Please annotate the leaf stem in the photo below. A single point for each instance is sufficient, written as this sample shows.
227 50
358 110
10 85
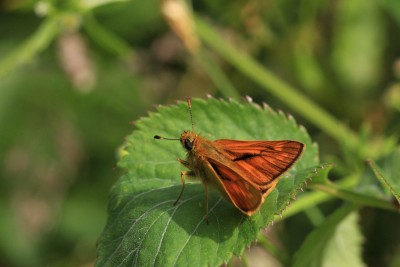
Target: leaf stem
360 199
274 250
327 192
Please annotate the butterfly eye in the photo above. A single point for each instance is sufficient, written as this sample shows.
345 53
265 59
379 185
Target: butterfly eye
188 144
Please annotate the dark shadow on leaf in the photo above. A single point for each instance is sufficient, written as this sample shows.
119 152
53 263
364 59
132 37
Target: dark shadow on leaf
189 213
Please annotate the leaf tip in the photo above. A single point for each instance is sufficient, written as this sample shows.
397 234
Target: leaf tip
267 107
248 99
291 118
302 128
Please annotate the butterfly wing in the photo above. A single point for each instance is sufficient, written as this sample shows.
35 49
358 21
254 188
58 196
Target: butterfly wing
258 163
244 195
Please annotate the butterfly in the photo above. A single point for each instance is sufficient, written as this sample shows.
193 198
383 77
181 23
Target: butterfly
245 172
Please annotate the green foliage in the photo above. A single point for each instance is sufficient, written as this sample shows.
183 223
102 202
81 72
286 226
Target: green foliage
145 228
74 73
389 172
336 242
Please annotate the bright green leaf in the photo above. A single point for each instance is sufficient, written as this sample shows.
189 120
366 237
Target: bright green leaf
336 242
322 175
345 247
145 229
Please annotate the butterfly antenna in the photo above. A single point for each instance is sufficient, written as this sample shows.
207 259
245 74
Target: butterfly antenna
164 138
190 111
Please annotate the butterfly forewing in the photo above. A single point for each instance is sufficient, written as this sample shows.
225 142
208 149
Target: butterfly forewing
257 166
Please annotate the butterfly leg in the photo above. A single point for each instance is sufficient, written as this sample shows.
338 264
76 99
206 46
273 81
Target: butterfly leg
183 174
184 163
206 189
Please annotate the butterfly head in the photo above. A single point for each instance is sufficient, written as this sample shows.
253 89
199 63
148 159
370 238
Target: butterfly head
187 140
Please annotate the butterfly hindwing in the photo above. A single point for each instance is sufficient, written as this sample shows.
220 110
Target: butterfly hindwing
241 193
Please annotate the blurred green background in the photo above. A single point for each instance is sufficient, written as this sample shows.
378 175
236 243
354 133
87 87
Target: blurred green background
74 74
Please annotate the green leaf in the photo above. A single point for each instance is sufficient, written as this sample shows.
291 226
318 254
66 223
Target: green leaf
336 242
322 175
389 173
145 229
345 247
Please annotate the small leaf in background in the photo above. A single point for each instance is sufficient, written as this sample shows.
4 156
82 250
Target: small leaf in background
144 228
389 172
336 242
345 247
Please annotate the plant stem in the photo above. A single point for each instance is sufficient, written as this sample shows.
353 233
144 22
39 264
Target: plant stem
105 38
223 84
39 41
271 83
302 203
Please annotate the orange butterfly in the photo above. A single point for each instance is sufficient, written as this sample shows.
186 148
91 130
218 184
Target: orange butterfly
245 172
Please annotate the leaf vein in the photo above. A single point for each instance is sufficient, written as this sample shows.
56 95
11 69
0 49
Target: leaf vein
195 229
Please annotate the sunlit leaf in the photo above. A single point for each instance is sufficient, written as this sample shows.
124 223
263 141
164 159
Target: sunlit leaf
145 229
